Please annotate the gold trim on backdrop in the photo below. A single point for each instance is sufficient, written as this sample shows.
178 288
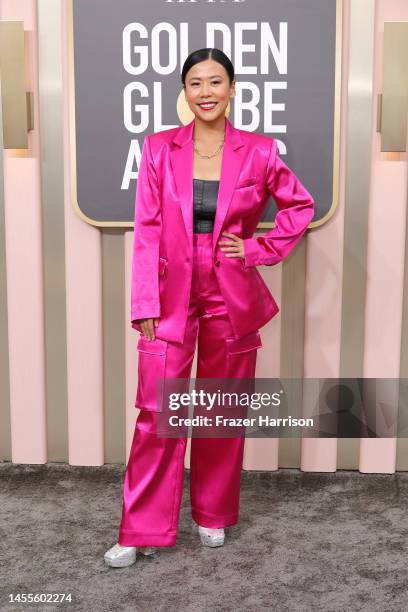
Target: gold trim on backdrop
357 188
336 127
395 87
72 132
12 72
5 416
360 101
50 91
402 443
114 349
30 110
261 224
292 346
379 111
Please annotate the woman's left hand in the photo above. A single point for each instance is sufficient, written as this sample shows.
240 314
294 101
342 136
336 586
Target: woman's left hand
235 248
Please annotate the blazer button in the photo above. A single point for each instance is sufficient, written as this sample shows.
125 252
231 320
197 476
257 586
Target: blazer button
216 262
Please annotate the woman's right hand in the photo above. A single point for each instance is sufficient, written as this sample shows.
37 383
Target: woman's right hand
147 326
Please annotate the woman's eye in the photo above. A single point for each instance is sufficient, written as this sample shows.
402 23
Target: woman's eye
213 83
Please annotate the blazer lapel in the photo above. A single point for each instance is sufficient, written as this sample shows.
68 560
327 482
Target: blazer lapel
181 157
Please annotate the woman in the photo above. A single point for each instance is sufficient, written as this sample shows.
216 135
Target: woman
201 191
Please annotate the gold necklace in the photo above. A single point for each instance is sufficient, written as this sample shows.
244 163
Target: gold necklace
208 156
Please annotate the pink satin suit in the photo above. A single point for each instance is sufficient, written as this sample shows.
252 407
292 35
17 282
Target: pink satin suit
153 483
222 310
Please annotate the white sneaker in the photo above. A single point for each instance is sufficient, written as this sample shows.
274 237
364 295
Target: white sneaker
122 556
210 536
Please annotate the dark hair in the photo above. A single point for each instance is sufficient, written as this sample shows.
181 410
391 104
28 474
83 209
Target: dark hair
208 53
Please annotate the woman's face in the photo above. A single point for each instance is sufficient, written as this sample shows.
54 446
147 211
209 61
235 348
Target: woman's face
208 81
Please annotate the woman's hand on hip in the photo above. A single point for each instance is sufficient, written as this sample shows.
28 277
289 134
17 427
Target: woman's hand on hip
235 246
147 326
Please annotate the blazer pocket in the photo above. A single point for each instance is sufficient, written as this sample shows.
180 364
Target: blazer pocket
252 180
162 265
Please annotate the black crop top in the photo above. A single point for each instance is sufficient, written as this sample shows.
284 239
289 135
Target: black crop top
205 193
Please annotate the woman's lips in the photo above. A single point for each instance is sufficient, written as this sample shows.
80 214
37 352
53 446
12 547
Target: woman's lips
207 106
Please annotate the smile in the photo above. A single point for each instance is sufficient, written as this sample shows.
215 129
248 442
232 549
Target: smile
207 105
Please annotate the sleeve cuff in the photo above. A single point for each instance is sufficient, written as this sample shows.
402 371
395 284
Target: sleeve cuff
146 312
254 255
251 253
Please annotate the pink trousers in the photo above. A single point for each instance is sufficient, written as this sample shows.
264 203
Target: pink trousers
153 482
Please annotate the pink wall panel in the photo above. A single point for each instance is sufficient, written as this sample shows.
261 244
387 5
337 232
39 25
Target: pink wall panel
84 315
22 195
385 260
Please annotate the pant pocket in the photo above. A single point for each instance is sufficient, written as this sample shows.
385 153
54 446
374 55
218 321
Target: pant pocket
242 354
151 372
243 344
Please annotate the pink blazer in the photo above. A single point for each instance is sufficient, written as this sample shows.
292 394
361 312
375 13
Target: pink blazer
251 172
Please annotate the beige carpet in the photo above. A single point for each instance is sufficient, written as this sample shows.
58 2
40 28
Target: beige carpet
304 542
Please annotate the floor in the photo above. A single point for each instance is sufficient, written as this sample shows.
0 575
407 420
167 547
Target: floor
304 542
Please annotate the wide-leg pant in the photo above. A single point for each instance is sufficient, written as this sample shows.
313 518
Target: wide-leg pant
153 482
